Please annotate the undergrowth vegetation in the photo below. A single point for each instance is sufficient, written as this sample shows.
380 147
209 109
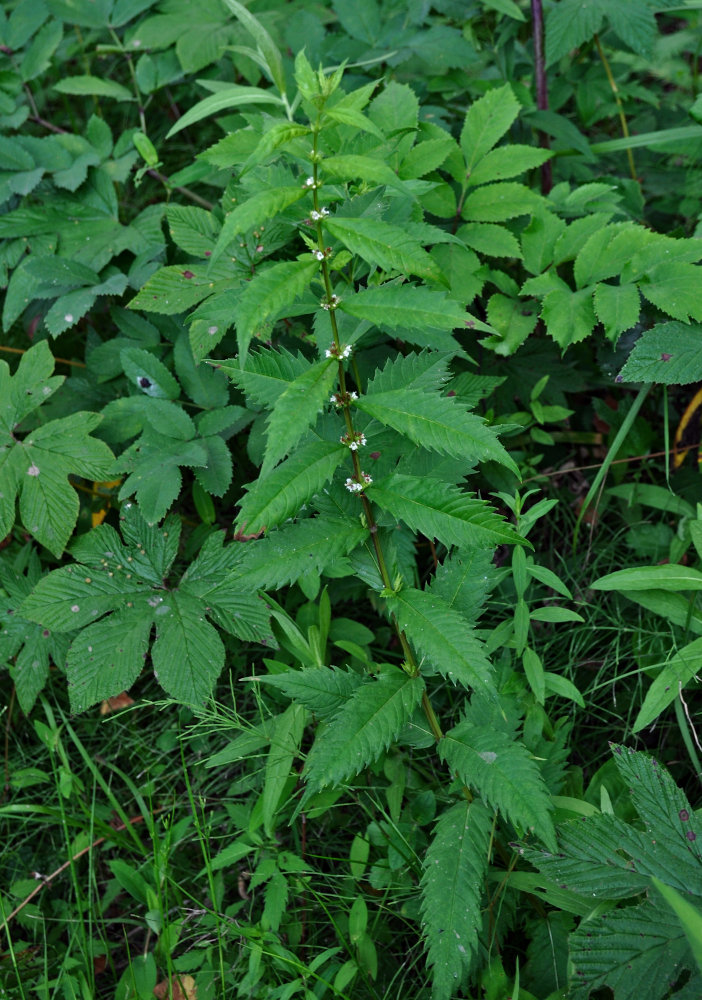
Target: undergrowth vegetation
351 543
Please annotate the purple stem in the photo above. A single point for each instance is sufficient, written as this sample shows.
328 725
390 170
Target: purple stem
541 88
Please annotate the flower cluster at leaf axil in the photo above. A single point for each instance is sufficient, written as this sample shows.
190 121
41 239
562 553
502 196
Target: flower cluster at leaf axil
338 352
358 485
343 398
354 441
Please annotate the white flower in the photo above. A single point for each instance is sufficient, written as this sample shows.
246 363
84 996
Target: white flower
352 486
319 254
317 215
345 351
309 183
330 354
354 395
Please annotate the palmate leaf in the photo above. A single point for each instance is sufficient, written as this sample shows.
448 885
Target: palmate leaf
454 873
293 550
359 733
268 293
441 511
384 245
438 423
116 594
37 467
281 494
626 948
504 773
445 637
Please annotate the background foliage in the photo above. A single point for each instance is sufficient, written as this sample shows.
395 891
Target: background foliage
373 327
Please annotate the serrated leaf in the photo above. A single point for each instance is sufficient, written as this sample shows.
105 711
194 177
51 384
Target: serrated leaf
407 307
617 308
384 245
296 409
283 492
269 292
464 580
427 370
350 166
569 24
426 156
108 656
507 161
491 239
486 122
215 475
674 677
153 463
293 550
504 773
454 873
438 423
441 511
672 286
192 229
174 289
634 22
623 949
286 734
670 353
267 375
569 316
148 373
366 726
500 202
265 44
188 654
324 690
254 211
443 635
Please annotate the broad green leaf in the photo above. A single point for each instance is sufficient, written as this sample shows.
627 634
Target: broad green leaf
267 375
673 678
670 605
352 166
670 353
149 374
689 917
486 122
499 202
385 245
569 24
153 463
441 511
514 319
438 423
657 497
176 288
366 726
672 286
443 635
666 577
270 292
507 161
215 475
455 867
254 211
426 156
296 409
95 86
569 316
562 687
464 580
234 96
504 773
188 654
490 238
617 308
280 495
192 229
108 656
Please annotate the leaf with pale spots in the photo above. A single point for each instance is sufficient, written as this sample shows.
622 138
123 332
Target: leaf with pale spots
117 592
35 466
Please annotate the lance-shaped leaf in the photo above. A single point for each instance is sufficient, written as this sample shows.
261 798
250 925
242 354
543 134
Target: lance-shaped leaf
452 887
188 655
426 370
281 494
349 166
285 746
438 423
233 96
323 690
504 773
384 245
673 678
445 637
486 122
252 212
296 409
37 467
669 576
267 374
268 293
441 511
293 550
363 729
406 309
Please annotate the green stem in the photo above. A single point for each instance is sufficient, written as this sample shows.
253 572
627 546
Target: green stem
620 106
